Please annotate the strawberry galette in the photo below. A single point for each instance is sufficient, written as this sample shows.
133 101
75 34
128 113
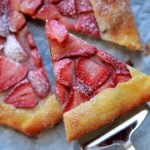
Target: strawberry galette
27 102
110 20
93 87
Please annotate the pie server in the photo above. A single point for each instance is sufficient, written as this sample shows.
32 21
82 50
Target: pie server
117 133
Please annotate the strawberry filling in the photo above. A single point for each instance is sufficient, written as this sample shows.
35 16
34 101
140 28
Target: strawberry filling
11 73
22 76
22 96
81 71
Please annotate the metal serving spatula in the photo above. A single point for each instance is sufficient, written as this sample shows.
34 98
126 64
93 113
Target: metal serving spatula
117 133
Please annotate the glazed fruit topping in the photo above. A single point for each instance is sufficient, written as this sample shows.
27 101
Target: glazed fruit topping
22 96
76 98
82 71
48 11
67 7
90 75
83 6
87 24
39 82
11 73
56 31
16 21
36 58
30 6
63 71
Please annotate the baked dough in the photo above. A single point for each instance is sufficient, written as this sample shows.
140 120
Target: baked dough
116 23
31 121
107 106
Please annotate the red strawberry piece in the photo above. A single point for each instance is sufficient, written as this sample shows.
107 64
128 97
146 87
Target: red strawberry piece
16 21
72 47
54 1
14 50
121 71
36 58
63 71
30 41
67 8
62 93
22 96
15 4
122 78
48 11
108 84
2 41
83 6
4 25
76 98
56 31
40 82
91 75
86 23
11 73
30 6
22 37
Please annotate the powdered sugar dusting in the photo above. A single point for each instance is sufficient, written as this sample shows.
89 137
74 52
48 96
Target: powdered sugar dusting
83 6
14 50
40 82
67 7
4 25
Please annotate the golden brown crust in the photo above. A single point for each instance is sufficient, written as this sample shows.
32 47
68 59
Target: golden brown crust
107 106
116 23
32 121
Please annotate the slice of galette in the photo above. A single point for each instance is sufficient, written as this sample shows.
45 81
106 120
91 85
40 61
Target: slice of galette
27 101
93 87
110 20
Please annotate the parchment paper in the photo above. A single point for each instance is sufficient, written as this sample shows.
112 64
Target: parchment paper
54 139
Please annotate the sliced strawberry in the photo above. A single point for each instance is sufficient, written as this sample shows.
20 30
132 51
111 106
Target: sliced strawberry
4 25
40 82
54 1
75 99
16 21
15 4
86 23
31 41
72 47
63 71
121 71
11 73
62 93
67 8
56 31
14 50
108 84
2 41
90 74
22 96
22 37
36 58
30 6
83 6
48 11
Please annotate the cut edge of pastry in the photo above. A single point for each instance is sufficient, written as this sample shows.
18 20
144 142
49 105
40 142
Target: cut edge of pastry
116 23
107 106
32 121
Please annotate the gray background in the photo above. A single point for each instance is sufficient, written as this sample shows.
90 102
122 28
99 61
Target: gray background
54 139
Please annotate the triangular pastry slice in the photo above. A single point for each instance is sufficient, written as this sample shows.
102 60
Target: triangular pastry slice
93 87
27 101
110 20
